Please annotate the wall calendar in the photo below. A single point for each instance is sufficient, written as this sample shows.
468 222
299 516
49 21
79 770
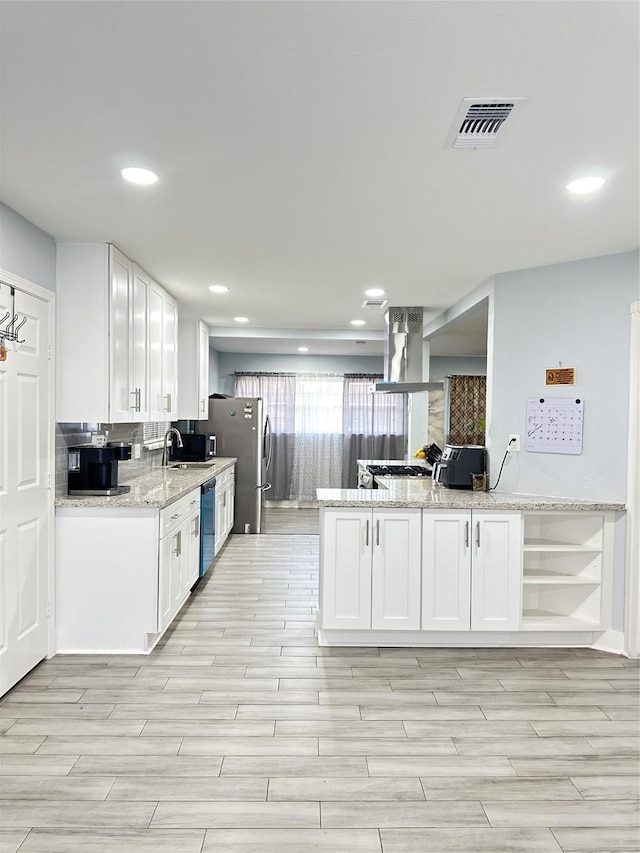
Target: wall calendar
554 425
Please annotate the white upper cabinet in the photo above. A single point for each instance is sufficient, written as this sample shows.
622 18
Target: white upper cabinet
111 337
163 355
193 373
170 355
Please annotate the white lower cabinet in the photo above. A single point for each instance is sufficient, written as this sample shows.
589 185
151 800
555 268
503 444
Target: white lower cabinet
225 497
178 563
446 570
122 574
409 569
496 570
370 563
471 570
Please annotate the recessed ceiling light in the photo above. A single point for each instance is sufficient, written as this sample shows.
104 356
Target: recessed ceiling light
358 323
241 319
303 349
374 291
218 288
585 185
139 176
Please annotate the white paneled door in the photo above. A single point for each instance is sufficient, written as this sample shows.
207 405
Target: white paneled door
25 491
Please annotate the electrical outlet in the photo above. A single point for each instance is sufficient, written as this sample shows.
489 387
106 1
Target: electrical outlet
98 439
136 451
514 444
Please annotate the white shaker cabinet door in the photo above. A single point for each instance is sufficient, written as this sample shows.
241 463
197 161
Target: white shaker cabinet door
203 371
170 586
157 410
121 402
496 580
446 570
346 568
139 391
192 564
396 569
170 359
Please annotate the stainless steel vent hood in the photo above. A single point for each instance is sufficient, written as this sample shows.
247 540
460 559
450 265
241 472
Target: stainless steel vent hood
403 353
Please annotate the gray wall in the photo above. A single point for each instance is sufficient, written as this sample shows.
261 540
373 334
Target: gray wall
230 362
441 366
578 314
26 250
214 370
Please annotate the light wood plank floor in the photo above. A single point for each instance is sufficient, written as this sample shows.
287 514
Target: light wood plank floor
239 734
285 520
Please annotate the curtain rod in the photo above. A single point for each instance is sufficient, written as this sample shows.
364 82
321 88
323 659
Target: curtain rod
305 373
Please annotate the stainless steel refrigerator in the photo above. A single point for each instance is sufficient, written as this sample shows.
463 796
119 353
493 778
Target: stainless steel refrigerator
242 429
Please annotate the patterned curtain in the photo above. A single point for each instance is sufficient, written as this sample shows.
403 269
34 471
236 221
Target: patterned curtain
374 425
467 409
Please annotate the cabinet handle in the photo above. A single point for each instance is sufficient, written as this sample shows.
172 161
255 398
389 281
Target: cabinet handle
466 534
378 532
366 540
196 526
224 499
167 397
176 515
478 533
202 401
136 399
194 501
178 538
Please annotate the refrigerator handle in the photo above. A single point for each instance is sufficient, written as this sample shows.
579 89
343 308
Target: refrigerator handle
265 487
268 441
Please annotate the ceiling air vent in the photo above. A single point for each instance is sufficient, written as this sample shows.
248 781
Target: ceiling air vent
480 120
374 303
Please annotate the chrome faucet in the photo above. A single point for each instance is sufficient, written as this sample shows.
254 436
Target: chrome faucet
165 454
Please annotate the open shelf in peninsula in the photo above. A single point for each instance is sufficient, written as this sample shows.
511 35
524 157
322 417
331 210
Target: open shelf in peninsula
564 570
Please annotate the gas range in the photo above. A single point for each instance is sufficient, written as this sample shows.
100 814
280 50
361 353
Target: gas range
366 479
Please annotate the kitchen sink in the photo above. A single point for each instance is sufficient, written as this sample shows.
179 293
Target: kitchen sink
185 466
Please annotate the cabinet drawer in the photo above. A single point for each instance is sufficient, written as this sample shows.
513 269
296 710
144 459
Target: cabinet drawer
174 514
225 479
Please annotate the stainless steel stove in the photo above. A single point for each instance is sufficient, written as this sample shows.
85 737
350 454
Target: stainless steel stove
367 475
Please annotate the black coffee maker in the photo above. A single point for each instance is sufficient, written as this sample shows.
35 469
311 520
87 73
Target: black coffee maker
94 470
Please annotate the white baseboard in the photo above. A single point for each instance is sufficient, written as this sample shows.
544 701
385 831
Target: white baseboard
611 641
455 639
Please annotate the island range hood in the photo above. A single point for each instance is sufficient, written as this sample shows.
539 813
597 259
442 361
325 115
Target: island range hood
403 353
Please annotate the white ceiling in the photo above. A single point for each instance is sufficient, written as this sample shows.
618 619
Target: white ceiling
301 147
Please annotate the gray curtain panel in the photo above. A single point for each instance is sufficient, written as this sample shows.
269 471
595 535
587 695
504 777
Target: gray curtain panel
374 425
278 390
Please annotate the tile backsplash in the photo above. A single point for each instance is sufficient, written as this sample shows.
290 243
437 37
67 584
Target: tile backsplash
71 435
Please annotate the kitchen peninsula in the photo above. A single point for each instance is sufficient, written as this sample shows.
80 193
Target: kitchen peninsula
413 563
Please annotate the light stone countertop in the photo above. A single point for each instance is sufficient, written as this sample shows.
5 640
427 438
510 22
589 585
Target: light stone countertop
157 487
425 494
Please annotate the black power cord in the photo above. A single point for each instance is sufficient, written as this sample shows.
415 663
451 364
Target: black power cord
504 459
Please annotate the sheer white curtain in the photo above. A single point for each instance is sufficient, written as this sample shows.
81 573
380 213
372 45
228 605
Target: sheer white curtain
317 455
